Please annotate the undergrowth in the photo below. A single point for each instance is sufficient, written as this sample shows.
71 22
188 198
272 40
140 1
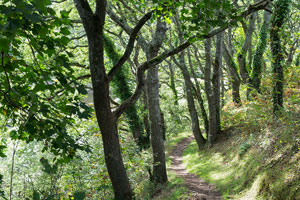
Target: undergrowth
256 156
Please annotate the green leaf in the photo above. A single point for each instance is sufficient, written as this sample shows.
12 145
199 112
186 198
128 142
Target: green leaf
81 89
36 195
79 195
65 31
4 44
2 147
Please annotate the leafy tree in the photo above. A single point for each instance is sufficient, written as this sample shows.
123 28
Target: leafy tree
40 96
39 93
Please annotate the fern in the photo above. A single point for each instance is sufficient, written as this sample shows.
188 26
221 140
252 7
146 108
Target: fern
244 148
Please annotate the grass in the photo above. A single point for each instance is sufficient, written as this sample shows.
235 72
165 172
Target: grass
175 188
257 159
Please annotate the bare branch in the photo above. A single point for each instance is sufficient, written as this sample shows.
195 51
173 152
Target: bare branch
130 45
79 46
79 65
84 77
127 28
78 38
140 77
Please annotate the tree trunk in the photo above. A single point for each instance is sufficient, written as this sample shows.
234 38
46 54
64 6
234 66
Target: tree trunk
193 112
212 87
281 10
260 49
222 89
216 79
122 90
199 95
233 74
107 123
172 84
212 134
93 24
146 116
189 92
190 100
156 129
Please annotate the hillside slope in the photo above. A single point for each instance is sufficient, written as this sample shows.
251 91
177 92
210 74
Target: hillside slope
258 158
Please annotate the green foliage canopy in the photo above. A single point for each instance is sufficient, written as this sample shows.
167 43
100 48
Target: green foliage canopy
39 93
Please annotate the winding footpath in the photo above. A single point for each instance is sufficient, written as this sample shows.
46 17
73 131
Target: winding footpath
200 190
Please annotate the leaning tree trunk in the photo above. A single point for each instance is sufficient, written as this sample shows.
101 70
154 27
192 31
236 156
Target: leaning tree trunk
156 129
242 55
192 109
93 24
233 74
197 90
281 10
190 101
189 92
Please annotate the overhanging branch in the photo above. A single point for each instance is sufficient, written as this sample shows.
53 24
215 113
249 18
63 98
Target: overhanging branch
130 45
158 59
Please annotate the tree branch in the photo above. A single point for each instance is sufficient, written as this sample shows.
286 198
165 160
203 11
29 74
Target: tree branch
140 77
130 45
79 65
158 59
142 42
83 77
84 9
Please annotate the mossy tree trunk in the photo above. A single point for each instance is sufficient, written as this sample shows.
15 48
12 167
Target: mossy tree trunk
260 49
233 75
281 10
122 90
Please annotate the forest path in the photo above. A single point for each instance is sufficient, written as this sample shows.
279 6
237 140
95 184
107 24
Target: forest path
200 190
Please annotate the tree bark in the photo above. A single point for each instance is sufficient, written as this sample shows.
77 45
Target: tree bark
172 83
197 90
216 79
260 49
233 74
281 10
242 55
93 24
212 134
189 92
122 90
192 109
156 126
212 87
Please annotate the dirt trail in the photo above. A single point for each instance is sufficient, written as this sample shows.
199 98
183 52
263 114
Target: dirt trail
199 189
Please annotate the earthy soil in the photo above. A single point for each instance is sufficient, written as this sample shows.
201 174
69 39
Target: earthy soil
199 189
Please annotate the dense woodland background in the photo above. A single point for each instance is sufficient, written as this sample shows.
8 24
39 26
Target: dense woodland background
94 95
